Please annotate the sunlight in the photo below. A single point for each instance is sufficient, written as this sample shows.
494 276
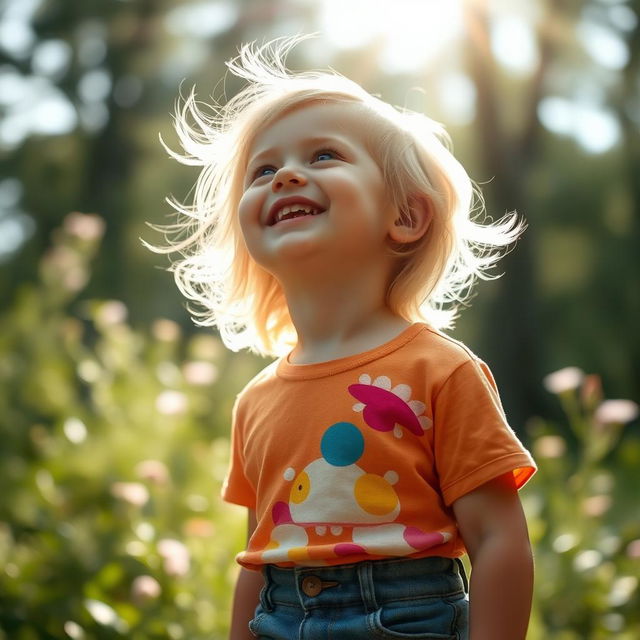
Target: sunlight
603 44
410 32
514 44
593 127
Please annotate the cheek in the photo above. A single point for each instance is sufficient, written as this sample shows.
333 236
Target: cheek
368 198
365 186
249 210
244 206
249 216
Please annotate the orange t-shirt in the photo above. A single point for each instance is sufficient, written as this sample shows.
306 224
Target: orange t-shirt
362 457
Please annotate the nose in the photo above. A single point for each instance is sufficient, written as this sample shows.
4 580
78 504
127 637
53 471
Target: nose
287 177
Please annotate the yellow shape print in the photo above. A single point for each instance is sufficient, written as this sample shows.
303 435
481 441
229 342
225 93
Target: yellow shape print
375 495
300 489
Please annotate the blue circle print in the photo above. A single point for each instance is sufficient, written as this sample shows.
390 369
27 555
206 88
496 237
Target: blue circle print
342 444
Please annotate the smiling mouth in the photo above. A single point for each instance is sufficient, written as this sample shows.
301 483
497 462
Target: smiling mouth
294 211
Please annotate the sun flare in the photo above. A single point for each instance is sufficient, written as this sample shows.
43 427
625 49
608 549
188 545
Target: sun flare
410 33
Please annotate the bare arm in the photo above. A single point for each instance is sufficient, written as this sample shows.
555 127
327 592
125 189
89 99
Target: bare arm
246 594
494 530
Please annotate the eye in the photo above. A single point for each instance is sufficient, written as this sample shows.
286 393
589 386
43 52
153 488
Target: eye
325 154
266 170
300 489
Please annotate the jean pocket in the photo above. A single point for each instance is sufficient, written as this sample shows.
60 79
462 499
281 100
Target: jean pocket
427 619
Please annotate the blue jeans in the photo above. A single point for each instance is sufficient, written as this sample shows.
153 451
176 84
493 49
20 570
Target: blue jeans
407 598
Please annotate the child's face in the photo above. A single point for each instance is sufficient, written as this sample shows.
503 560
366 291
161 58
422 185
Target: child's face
312 188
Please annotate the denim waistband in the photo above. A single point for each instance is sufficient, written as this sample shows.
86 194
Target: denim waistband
369 583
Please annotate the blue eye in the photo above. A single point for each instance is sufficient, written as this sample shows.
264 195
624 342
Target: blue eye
264 171
325 154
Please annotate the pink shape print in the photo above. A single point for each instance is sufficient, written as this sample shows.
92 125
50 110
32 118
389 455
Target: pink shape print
348 548
384 409
421 540
281 513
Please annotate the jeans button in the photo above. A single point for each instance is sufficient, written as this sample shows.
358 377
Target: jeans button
311 586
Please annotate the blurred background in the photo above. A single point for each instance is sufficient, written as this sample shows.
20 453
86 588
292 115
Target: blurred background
114 407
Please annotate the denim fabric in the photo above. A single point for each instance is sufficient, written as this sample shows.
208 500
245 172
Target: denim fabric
407 598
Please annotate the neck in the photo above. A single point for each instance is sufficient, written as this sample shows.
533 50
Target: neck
340 316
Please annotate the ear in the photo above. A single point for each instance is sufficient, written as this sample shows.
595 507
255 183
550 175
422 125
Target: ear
413 221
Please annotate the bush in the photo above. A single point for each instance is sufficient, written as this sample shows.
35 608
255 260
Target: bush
114 448
583 515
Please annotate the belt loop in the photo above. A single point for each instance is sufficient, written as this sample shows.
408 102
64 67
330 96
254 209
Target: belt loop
367 586
463 574
265 592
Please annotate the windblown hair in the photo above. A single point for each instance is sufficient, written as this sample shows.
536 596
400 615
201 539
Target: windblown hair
245 302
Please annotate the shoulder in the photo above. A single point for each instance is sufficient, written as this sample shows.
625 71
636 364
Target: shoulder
442 350
259 384
447 360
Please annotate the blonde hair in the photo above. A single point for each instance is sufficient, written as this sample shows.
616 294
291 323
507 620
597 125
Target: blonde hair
245 302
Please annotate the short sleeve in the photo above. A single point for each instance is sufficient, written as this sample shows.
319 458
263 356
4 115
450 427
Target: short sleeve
472 441
236 487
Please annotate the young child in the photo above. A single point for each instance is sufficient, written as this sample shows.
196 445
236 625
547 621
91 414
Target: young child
335 231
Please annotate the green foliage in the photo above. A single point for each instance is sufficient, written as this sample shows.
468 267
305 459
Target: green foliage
583 516
115 442
114 445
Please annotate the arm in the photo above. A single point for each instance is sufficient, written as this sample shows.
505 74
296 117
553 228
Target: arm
494 530
246 594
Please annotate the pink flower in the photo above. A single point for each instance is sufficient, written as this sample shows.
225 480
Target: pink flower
591 392
200 372
596 506
111 312
86 226
133 493
63 266
616 412
144 589
567 379
550 447
633 549
171 403
165 330
153 471
175 557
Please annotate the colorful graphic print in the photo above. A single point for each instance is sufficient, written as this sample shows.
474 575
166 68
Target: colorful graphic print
385 408
334 497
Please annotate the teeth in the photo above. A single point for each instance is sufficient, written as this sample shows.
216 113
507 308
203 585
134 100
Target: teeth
296 208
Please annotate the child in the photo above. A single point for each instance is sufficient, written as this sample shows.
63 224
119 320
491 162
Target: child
335 231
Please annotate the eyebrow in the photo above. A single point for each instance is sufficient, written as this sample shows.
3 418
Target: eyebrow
305 142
